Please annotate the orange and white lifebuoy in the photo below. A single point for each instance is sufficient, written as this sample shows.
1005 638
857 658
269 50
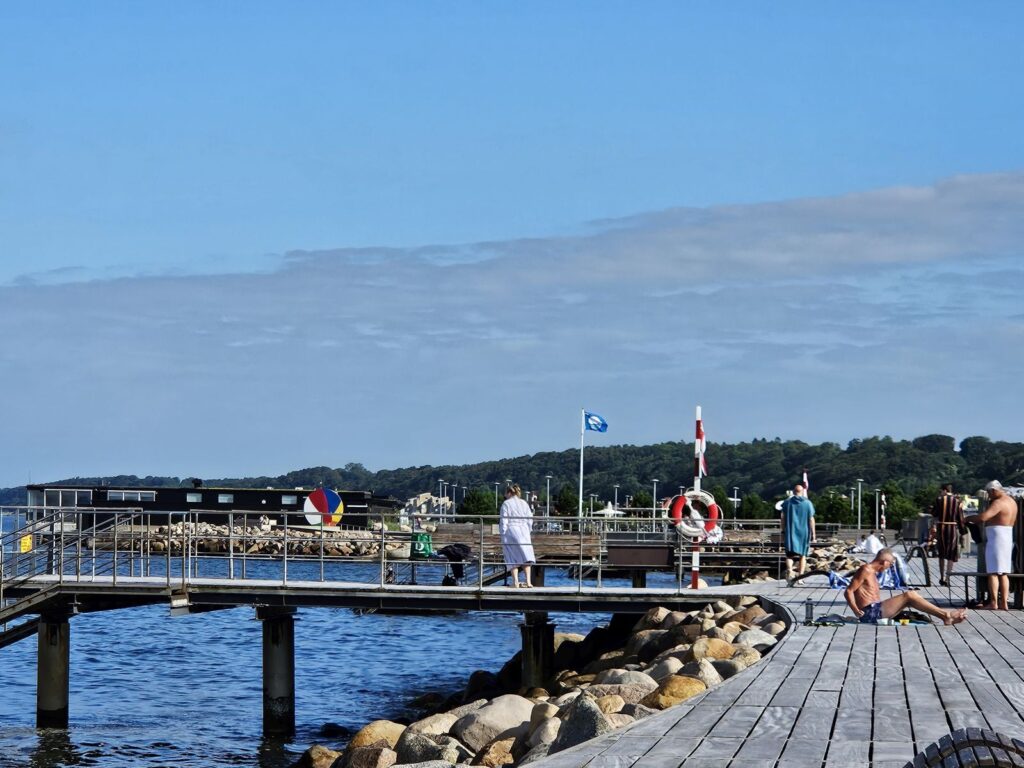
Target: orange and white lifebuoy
685 515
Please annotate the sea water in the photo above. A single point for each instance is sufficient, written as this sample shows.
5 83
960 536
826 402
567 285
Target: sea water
149 689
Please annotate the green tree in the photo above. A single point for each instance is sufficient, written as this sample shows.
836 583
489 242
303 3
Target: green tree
478 501
566 501
641 501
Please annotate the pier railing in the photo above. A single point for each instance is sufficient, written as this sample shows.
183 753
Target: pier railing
81 544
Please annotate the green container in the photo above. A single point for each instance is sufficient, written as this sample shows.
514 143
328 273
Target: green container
422 546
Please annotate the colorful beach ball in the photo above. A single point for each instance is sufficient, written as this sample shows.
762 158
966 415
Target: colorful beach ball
323 507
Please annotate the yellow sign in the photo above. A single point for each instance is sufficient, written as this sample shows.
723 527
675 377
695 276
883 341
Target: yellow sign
26 543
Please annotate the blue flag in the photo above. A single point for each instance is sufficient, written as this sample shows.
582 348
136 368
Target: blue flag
594 422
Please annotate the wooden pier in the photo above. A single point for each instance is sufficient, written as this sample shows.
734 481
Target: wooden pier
847 696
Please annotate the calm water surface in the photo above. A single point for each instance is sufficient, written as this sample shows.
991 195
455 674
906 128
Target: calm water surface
151 690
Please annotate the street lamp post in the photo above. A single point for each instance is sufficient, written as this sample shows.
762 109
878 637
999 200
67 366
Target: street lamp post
496 484
859 481
592 504
548 478
616 504
654 502
876 509
735 503
440 493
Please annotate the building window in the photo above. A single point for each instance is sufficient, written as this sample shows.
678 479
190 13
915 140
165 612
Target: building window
115 495
131 495
194 498
147 496
289 500
225 498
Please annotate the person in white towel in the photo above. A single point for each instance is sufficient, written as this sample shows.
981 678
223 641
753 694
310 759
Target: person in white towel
999 517
514 526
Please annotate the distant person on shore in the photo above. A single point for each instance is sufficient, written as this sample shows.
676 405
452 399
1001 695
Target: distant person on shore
949 526
865 599
514 525
797 529
872 544
999 518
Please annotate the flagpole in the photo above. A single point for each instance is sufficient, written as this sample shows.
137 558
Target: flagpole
695 551
583 429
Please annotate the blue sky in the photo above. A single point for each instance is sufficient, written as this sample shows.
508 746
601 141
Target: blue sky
244 238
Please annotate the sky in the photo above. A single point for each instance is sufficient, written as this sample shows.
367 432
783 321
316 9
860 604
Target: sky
245 238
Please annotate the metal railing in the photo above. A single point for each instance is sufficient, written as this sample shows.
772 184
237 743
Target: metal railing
178 548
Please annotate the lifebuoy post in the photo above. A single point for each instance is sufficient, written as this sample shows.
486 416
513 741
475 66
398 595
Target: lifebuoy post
699 469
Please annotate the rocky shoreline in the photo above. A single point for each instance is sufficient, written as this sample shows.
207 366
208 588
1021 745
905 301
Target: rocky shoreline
615 675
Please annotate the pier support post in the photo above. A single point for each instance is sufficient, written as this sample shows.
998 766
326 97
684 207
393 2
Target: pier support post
53 669
538 648
639 576
278 670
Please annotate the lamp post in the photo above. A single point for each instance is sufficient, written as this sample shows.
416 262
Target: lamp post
592 504
440 493
876 509
615 506
654 502
735 503
548 478
496 484
859 497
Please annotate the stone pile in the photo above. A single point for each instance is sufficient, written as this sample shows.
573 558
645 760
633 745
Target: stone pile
832 557
263 537
612 677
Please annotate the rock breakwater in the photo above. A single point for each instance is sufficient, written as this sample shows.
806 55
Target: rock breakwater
615 675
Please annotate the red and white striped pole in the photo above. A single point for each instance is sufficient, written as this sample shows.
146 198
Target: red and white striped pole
698 463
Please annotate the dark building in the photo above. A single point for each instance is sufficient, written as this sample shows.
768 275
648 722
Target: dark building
211 505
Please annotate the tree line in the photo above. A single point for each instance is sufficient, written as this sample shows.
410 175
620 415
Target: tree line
908 472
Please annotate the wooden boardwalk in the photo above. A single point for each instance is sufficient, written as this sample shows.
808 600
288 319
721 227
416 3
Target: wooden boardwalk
847 696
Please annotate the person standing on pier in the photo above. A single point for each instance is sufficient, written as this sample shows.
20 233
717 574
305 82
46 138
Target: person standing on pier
948 519
999 518
514 526
865 599
797 529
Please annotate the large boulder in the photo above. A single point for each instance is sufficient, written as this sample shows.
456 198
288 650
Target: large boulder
755 637
673 690
542 711
373 756
506 716
415 747
646 644
465 709
481 685
711 648
631 693
545 733
746 655
681 652
619 720
435 724
536 753
378 730
667 666
674 618
455 750
623 677
704 671
727 667
317 756
582 721
498 752
652 619
744 616
610 660
774 627
733 628
610 704
637 711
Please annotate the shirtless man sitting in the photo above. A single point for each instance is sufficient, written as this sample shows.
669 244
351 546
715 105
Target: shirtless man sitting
867 604
999 517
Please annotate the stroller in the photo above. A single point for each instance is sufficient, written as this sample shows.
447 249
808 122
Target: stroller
456 555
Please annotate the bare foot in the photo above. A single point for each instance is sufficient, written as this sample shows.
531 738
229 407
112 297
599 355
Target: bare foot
989 607
955 617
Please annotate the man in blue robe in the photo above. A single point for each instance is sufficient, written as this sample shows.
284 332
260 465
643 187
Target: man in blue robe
797 529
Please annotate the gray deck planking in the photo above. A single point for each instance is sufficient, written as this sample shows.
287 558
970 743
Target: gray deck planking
855 695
